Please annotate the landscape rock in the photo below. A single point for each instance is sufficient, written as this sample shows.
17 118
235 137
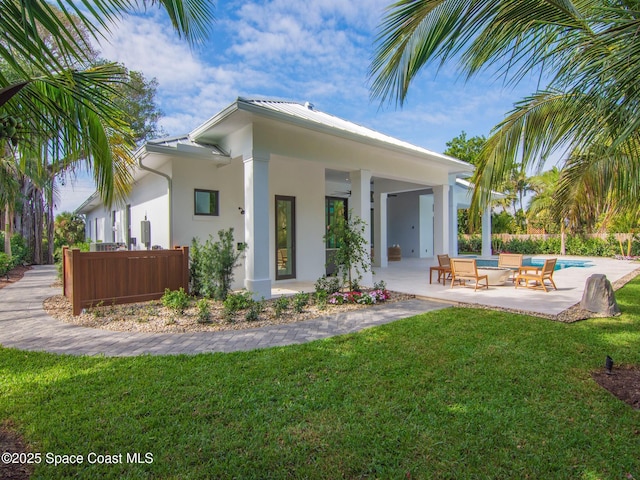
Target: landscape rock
598 296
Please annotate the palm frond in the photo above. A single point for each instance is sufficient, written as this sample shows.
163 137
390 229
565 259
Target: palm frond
25 23
73 119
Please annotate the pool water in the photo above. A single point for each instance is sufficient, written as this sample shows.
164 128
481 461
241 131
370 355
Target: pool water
560 264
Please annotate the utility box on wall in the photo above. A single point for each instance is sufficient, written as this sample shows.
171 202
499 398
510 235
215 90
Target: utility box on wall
145 233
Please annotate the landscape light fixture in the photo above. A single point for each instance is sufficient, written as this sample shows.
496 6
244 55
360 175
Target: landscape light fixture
609 365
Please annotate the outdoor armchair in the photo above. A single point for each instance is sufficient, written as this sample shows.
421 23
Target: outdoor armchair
512 261
534 277
463 269
443 268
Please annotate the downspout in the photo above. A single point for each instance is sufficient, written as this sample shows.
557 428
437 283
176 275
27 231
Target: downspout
169 192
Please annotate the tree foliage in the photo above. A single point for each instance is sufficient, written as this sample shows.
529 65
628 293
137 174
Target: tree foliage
467 149
62 110
63 101
69 229
136 98
588 106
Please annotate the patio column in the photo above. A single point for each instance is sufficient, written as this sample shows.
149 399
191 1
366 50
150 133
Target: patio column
256 224
441 220
360 204
486 232
453 245
380 230
453 217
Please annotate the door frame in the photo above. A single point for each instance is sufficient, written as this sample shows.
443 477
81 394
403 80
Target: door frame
292 257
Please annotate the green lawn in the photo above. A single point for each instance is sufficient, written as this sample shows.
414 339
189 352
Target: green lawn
457 394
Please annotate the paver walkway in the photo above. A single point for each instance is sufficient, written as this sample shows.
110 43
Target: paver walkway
25 325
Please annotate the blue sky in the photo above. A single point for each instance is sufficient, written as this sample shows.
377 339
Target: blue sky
317 51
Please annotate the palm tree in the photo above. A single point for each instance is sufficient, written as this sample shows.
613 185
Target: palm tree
65 106
40 32
586 52
46 81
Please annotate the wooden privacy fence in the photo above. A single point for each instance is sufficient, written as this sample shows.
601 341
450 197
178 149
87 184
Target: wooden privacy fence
122 277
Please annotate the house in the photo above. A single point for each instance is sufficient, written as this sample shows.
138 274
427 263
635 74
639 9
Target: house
278 172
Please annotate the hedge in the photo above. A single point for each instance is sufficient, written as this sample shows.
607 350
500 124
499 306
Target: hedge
574 245
19 253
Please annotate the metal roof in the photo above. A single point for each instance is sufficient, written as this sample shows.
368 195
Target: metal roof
307 113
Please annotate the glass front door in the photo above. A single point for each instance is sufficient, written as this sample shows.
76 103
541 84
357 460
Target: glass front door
285 237
335 210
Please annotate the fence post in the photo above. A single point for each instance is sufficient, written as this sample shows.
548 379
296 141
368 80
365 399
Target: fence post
76 301
185 268
64 270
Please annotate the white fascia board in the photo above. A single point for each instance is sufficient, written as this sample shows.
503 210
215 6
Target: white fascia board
89 204
469 186
219 117
182 150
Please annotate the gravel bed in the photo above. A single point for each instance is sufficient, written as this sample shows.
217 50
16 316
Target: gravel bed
153 317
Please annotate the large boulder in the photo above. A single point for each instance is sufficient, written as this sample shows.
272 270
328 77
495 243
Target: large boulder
598 296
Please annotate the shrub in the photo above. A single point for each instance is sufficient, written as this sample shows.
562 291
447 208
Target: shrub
327 284
592 247
20 251
204 311
471 245
57 254
574 245
381 285
212 265
300 300
69 229
280 305
254 310
236 302
5 264
176 300
321 297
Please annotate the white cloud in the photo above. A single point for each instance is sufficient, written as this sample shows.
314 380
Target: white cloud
146 44
317 51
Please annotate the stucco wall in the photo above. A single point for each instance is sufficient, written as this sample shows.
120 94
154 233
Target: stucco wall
426 226
403 213
98 218
304 181
190 174
410 223
149 198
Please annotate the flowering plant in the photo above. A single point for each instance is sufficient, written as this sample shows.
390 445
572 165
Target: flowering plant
366 298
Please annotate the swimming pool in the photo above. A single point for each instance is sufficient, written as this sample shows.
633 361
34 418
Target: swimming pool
538 262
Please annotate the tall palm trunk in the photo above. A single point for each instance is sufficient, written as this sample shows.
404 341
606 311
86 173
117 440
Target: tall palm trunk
7 230
38 222
49 224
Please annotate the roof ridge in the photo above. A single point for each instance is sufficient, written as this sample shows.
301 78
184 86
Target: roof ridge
272 100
